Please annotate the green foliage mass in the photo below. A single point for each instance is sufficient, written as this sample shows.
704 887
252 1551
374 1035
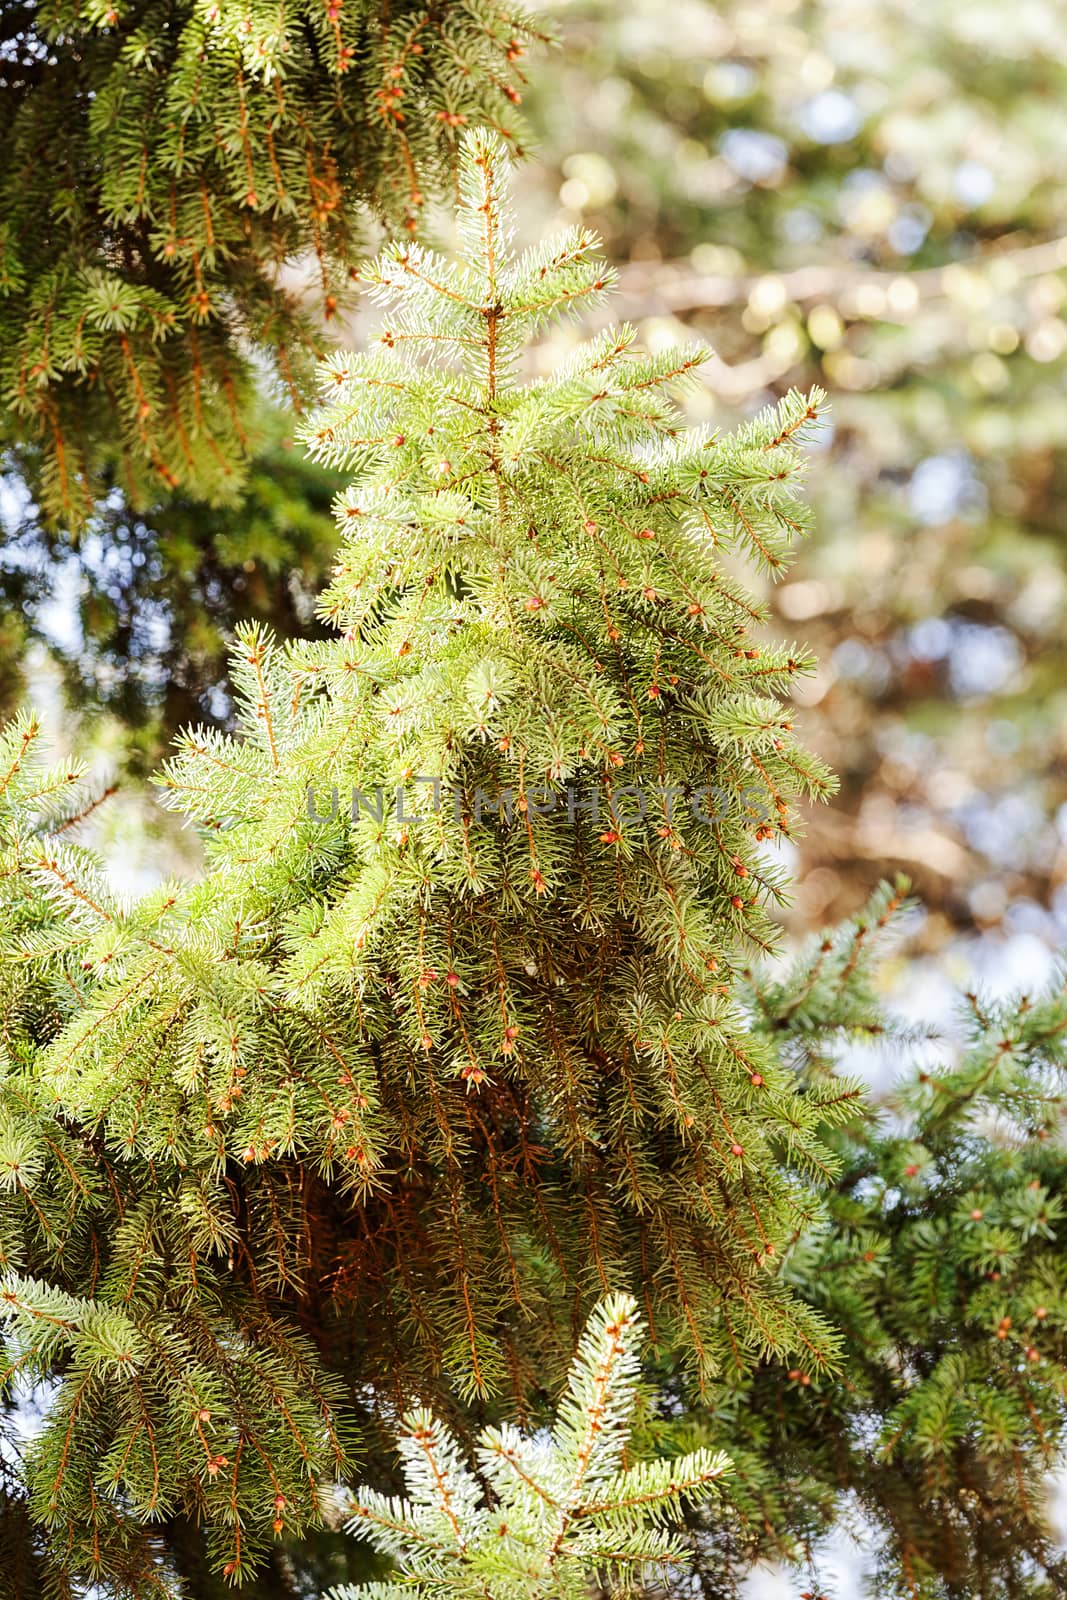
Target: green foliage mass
163 163
940 1260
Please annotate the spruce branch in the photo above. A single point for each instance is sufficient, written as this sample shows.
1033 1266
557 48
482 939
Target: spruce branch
454 1033
162 162
564 1512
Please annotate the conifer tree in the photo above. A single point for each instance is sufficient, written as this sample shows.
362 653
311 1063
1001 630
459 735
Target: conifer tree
414 1089
940 1261
565 1509
164 160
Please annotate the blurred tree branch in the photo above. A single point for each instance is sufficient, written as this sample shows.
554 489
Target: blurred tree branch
673 288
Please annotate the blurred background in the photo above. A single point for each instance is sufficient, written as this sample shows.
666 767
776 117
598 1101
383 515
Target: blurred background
868 196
